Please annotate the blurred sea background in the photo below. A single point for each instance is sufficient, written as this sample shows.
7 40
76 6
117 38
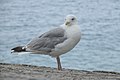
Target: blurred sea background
99 20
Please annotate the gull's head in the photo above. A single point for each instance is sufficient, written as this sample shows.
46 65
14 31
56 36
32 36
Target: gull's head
70 20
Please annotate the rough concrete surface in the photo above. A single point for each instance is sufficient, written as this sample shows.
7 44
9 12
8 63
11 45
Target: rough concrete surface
29 72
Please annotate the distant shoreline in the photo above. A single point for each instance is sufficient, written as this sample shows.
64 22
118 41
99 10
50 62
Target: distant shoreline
30 72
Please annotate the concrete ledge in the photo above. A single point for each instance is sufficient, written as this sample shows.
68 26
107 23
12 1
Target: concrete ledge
29 72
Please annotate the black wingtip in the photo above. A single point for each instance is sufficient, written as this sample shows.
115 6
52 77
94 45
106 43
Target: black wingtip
18 49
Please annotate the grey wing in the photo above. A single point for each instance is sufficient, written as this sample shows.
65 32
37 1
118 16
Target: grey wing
48 40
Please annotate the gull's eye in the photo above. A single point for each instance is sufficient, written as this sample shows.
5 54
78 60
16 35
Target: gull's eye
73 19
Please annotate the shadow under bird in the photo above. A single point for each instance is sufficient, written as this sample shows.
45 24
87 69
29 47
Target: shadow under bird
56 41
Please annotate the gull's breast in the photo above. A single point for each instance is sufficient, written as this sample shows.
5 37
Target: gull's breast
73 37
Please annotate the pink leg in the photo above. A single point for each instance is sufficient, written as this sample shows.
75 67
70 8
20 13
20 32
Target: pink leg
59 63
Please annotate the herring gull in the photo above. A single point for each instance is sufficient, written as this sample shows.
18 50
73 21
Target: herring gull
56 41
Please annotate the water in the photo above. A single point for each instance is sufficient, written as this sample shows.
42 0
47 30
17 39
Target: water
99 20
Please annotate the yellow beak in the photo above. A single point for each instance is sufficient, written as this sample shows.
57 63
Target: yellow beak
67 23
